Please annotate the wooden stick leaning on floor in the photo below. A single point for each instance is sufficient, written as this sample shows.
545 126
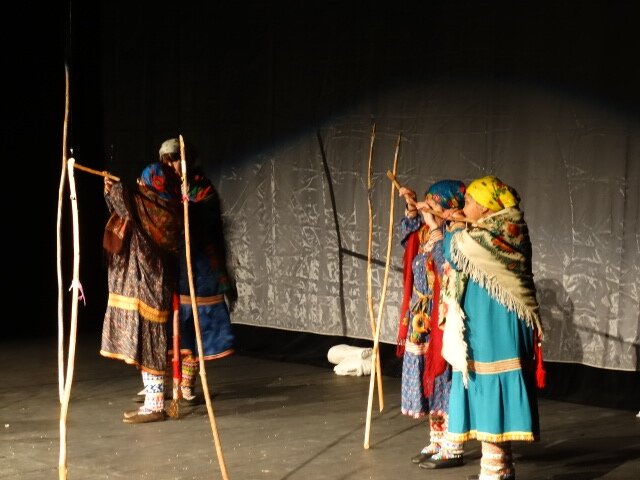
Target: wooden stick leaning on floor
369 287
75 285
376 339
174 408
62 462
196 318
63 178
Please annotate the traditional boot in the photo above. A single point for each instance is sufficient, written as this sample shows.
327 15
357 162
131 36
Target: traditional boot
153 408
190 369
496 462
450 454
426 453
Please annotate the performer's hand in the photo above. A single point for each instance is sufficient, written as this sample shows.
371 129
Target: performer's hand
428 217
108 183
410 199
449 213
408 194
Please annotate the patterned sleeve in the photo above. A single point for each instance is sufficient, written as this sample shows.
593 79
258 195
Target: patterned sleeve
437 250
116 200
408 226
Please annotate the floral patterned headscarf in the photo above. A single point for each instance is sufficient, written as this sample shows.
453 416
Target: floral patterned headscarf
493 193
158 205
162 179
200 186
447 193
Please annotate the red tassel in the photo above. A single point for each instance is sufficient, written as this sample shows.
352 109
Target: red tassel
175 302
541 373
400 347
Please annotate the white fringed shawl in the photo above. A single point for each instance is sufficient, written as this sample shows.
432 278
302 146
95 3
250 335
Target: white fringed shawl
496 255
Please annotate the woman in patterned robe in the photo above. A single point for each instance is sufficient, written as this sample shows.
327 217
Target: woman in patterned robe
142 279
426 377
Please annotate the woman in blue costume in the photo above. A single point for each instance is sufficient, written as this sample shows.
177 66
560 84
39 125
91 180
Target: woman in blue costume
493 329
426 377
214 291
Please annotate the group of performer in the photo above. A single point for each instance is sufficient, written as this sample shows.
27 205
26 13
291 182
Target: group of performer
469 332
148 278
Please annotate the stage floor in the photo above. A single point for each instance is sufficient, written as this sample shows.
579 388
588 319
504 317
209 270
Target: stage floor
274 421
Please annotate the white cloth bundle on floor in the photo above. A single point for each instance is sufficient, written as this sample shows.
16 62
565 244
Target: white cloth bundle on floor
354 366
338 353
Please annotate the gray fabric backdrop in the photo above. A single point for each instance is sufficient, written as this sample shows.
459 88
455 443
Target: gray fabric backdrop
574 164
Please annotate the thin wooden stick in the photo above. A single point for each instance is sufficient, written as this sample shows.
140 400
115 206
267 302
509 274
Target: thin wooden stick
64 407
97 172
61 187
412 202
63 176
369 254
174 407
196 318
376 340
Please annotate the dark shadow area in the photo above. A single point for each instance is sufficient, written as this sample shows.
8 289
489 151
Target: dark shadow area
305 348
565 381
243 77
571 382
334 208
556 312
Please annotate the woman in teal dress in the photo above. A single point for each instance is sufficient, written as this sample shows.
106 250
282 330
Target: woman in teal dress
493 330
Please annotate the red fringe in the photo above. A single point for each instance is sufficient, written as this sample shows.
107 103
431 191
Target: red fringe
434 364
410 251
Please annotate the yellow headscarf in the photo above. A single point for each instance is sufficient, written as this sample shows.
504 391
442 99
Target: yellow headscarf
493 193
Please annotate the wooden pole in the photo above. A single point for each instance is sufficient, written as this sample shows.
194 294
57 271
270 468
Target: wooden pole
174 407
196 318
376 340
61 187
369 255
63 176
75 285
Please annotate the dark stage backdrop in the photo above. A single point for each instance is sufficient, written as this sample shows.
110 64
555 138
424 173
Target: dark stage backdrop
280 99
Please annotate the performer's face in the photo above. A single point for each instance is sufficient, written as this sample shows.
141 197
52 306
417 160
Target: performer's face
472 209
173 161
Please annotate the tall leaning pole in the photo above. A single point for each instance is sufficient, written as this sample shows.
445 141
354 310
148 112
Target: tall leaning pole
62 461
372 321
196 318
65 379
376 339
